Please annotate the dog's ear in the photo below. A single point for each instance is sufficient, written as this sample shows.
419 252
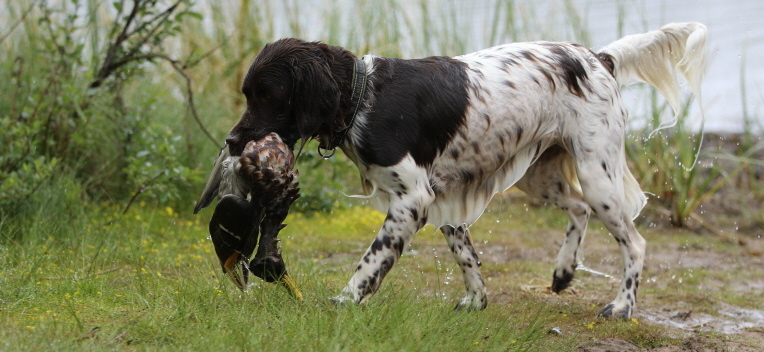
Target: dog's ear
316 97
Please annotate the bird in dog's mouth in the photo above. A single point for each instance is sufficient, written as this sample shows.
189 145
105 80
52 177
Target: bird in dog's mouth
256 190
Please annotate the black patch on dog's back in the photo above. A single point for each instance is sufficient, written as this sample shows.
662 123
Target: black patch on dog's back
573 70
418 107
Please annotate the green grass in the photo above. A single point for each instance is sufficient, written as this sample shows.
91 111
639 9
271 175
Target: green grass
148 280
76 273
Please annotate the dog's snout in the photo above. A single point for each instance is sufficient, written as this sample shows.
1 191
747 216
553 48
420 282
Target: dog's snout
232 139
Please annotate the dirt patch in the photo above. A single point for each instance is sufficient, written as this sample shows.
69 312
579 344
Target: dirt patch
694 344
702 286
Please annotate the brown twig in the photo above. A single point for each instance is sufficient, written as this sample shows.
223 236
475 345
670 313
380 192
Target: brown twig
189 85
142 189
189 95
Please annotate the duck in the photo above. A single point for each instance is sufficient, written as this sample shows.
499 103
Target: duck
255 191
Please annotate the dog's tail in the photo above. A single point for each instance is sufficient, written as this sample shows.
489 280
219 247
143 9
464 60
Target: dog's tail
657 56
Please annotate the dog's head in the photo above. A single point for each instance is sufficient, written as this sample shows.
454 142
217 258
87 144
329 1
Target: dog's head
293 89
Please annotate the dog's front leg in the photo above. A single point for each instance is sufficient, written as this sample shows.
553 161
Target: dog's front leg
409 194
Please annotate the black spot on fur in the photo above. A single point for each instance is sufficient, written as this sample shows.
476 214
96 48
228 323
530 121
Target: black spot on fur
528 56
385 267
387 240
467 175
376 246
419 106
572 69
605 207
628 283
607 311
476 147
548 77
508 62
414 214
455 154
398 245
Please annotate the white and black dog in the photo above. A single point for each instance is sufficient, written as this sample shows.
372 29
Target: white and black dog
436 138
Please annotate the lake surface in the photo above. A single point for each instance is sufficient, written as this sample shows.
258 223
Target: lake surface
735 51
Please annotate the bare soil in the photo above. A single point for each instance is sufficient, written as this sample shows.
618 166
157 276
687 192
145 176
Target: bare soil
703 286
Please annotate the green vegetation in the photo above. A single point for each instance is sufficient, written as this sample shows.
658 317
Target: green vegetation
112 112
148 279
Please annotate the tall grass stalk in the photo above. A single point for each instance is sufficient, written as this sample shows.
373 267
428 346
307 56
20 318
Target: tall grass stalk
667 164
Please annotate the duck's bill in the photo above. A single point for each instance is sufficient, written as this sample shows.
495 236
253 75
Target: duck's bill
213 181
235 272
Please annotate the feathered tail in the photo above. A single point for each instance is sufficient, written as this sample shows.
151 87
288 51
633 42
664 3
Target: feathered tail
657 56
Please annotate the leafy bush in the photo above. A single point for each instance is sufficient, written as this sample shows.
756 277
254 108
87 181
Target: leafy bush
68 74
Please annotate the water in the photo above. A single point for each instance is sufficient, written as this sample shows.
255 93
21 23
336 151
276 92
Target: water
735 47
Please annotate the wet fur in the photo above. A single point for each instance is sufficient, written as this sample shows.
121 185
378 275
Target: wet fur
437 138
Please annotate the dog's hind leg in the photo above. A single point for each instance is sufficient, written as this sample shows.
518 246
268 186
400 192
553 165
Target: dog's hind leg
614 195
460 243
552 178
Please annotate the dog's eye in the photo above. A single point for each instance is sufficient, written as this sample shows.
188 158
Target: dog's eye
270 94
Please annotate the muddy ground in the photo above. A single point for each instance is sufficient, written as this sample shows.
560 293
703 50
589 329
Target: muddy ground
703 285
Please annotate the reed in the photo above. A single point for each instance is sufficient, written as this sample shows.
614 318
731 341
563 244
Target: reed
99 173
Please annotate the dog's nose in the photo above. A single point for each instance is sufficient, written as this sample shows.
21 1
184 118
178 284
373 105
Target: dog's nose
232 139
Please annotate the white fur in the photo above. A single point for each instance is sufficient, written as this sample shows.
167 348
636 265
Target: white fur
527 123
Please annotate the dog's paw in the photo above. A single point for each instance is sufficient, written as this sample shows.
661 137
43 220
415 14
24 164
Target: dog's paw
616 311
561 279
472 303
342 300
